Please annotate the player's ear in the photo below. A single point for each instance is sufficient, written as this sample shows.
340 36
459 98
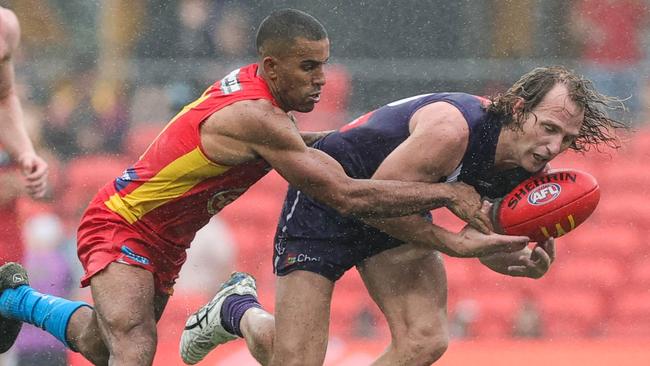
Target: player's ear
518 107
518 110
270 66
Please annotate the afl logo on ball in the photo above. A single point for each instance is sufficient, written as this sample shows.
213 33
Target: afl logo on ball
544 194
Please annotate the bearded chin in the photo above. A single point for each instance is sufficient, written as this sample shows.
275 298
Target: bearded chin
305 108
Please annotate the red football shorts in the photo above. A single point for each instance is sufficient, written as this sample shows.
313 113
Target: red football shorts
104 237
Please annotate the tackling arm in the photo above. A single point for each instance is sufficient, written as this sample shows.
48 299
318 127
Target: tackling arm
272 135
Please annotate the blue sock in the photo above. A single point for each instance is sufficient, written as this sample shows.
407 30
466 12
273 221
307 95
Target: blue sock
47 312
233 309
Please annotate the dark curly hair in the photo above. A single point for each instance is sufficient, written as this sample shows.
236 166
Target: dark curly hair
284 26
597 128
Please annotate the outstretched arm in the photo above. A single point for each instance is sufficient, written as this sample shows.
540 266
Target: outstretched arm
469 242
270 134
13 135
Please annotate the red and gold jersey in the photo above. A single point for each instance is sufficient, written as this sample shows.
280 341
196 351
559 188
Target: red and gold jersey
174 188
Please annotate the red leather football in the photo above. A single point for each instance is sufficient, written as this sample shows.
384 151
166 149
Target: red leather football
548 205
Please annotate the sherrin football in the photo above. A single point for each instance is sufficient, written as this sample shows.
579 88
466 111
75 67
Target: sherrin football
548 205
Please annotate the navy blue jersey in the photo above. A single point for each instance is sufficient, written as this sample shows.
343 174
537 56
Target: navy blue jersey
314 237
362 145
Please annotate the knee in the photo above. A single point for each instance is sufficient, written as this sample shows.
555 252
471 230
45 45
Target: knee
424 345
131 338
434 349
128 328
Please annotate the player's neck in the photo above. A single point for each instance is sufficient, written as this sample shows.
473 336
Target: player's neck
505 157
277 96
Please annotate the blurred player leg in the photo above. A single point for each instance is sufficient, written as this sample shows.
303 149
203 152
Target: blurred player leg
302 312
127 310
84 336
233 312
410 287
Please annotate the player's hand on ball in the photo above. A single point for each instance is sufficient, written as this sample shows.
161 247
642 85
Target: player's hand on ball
467 204
473 243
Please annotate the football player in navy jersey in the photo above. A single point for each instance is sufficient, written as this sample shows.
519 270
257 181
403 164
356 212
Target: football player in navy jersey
491 144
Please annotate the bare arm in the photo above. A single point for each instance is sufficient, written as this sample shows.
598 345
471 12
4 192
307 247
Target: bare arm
13 136
311 137
435 147
467 243
269 133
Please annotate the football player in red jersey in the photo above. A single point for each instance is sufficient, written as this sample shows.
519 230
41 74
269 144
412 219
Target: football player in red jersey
133 235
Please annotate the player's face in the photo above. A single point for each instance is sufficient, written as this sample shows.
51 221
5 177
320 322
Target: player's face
548 130
300 76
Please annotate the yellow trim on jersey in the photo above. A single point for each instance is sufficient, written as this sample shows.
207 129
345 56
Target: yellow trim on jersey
171 182
185 109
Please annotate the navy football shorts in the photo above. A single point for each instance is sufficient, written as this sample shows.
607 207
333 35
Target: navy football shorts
314 237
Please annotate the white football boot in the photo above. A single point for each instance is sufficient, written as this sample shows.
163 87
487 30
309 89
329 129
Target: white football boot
203 331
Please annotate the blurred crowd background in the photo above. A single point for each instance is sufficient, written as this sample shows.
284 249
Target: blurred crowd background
99 79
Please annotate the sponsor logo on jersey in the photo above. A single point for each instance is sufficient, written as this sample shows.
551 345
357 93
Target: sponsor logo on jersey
544 194
123 180
222 199
230 83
